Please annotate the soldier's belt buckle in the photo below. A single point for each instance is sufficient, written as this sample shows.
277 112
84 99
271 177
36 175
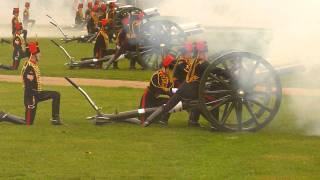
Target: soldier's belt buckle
31 106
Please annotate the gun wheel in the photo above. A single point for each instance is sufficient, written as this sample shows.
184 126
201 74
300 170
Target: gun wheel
239 91
159 38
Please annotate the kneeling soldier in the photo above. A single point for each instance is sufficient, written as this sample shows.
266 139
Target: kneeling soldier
32 88
188 89
160 88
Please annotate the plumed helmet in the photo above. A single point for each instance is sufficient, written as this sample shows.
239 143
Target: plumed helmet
80 5
168 61
140 16
187 47
33 48
95 8
201 46
112 5
103 7
15 10
90 4
27 4
97 2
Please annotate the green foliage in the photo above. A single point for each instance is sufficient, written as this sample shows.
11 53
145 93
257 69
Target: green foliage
80 150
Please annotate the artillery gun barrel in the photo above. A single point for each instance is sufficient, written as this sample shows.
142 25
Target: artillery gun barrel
130 114
290 69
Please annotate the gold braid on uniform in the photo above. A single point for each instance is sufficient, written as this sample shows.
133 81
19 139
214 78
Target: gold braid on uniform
95 19
165 82
105 37
36 70
21 41
191 76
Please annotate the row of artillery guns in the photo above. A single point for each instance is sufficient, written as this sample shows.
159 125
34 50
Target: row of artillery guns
157 36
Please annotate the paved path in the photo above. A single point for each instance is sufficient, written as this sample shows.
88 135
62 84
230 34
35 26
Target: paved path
58 81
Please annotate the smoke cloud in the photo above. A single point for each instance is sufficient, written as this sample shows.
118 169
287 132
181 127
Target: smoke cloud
289 33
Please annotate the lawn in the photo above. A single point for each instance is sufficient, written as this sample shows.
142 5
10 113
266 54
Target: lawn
53 60
80 150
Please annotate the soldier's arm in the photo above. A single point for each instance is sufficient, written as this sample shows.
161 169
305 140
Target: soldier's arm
29 78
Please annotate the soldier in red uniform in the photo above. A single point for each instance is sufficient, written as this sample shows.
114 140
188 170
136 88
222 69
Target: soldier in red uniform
160 88
33 94
188 89
26 16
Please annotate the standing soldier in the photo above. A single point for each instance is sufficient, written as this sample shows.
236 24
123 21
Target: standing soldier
102 42
32 88
26 16
111 15
103 11
88 11
18 51
92 24
188 89
160 88
14 21
79 20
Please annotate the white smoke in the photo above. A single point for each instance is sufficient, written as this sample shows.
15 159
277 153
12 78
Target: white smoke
294 25
62 10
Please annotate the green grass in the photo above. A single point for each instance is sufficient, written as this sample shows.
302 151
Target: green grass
80 150
53 60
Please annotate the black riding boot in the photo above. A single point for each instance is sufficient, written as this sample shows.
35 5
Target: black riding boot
194 116
56 120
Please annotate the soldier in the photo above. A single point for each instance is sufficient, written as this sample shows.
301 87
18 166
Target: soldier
188 89
88 11
14 21
18 51
183 64
103 11
92 24
79 20
26 16
111 15
160 88
32 88
128 40
102 42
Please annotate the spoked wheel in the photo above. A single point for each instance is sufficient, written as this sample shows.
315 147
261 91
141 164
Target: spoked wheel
239 91
161 36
